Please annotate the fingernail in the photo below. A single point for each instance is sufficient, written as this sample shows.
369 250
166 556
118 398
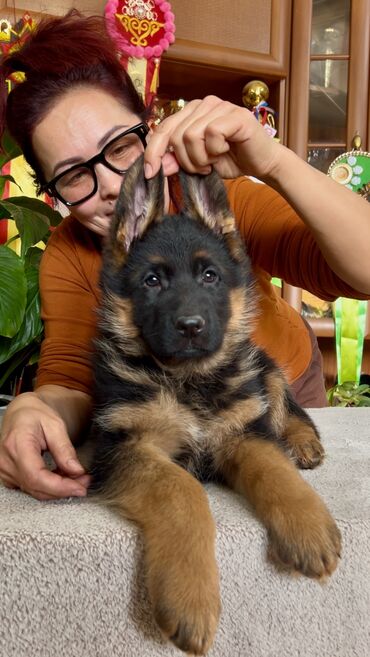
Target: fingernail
79 493
148 171
74 464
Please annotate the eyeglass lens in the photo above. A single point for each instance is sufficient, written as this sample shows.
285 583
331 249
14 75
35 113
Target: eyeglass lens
79 182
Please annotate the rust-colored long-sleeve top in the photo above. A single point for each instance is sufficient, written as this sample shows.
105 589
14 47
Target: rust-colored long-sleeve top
277 241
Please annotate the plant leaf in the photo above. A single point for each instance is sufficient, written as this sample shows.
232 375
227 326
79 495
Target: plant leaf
39 207
31 327
26 356
4 212
9 149
33 257
4 180
363 400
32 226
13 292
363 388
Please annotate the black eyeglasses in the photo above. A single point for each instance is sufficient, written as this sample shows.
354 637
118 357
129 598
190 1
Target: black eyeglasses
79 183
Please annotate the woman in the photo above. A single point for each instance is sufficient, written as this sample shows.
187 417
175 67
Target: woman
80 124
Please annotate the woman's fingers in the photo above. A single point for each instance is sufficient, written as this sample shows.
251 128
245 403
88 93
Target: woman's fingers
60 446
49 485
31 427
22 465
31 475
175 133
207 133
37 480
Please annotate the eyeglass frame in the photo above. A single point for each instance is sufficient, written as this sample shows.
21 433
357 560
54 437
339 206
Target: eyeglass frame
140 129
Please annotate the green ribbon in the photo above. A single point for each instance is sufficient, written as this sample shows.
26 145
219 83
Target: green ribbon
350 320
276 281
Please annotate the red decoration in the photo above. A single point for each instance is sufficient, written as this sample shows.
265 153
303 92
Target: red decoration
141 29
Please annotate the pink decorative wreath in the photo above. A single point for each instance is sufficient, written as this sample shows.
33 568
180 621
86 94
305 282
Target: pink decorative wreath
140 28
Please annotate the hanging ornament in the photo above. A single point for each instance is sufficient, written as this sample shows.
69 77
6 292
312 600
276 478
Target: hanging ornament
141 31
11 38
352 169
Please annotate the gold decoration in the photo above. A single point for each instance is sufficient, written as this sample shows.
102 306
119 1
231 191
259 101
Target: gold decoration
356 142
254 93
139 29
254 96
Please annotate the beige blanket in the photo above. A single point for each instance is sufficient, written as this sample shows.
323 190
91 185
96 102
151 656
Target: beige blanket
71 581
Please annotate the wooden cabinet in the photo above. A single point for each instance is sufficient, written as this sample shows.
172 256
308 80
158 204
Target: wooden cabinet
328 105
48 7
220 47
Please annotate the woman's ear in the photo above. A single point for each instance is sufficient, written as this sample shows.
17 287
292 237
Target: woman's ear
140 203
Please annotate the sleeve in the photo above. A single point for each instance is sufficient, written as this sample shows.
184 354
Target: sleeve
279 242
69 298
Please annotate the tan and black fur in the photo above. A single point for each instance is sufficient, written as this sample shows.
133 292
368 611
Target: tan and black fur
184 396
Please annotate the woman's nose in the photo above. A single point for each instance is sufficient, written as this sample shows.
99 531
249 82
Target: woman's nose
109 182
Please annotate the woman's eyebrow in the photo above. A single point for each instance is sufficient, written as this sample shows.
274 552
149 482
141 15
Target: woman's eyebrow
101 143
105 138
62 163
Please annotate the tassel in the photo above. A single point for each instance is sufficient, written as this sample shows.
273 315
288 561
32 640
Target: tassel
155 79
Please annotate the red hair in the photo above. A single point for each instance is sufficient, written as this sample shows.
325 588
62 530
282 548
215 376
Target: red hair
62 52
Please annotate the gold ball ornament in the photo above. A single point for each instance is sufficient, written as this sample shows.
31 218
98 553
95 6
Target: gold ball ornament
254 93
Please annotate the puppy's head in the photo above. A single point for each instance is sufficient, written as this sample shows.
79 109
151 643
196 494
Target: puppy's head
183 276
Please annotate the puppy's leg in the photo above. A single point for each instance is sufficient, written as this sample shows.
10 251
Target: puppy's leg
289 420
172 509
302 438
302 534
303 443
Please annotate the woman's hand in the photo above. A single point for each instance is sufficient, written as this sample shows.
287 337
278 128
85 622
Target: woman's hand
212 132
30 426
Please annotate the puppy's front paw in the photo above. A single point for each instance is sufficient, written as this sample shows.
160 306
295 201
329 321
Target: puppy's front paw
186 604
308 452
303 444
306 540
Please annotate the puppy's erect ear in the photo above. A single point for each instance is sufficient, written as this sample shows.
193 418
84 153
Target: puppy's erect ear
205 199
140 203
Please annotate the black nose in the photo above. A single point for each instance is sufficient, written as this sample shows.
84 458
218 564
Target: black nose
190 325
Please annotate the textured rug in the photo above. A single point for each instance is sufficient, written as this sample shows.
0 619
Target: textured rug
71 580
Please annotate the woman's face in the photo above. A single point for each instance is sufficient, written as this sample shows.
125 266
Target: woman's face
81 123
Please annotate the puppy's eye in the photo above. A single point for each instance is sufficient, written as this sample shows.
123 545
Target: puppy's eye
210 276
152 280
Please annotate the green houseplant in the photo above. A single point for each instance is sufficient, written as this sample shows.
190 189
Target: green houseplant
20 323
349 393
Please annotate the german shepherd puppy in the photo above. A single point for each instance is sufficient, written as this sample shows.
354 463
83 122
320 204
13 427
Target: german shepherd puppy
184 396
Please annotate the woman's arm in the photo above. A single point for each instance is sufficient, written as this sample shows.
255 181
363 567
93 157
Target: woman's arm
338 218
215 132
43 420
58 410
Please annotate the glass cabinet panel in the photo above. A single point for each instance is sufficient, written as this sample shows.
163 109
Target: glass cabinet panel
321 158
330 27
328 101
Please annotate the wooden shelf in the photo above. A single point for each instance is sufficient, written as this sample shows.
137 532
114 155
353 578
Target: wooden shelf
323 327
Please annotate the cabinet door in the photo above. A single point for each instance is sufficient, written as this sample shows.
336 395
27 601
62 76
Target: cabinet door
11 9
220 46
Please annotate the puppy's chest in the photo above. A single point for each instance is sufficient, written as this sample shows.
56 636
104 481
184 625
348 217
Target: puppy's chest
210 413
